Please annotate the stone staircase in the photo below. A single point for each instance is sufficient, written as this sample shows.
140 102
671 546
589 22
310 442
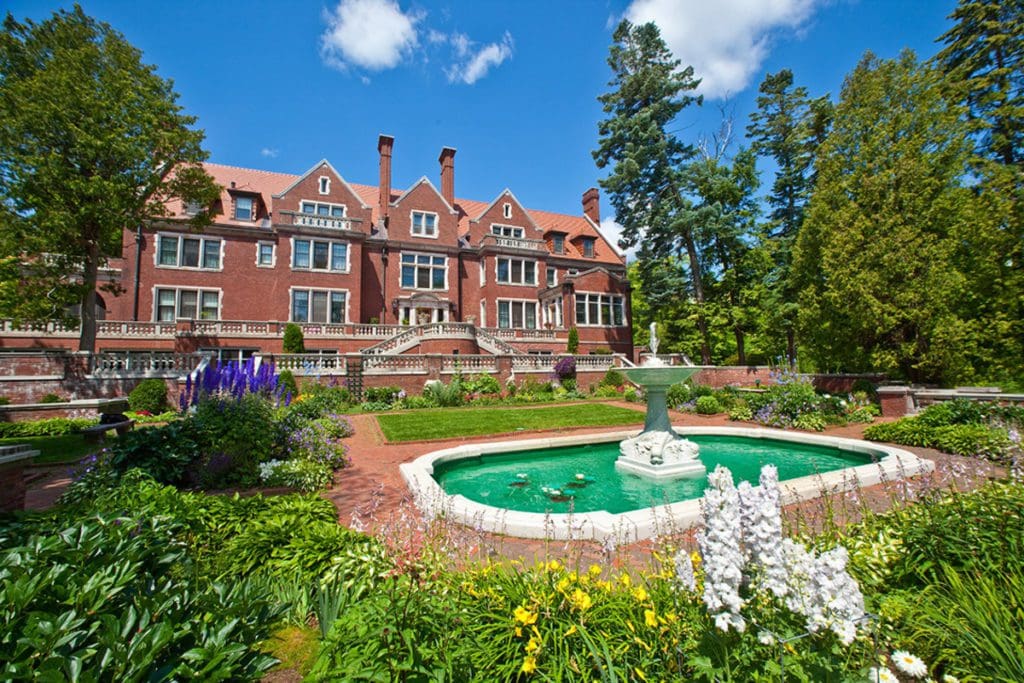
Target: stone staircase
406 339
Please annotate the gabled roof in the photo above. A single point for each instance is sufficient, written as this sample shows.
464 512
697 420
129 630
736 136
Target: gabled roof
501 194
424 179
316 167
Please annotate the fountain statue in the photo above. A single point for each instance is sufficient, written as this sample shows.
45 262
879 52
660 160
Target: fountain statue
658 452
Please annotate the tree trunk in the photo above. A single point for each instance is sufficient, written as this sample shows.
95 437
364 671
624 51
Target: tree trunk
790 346
90 271
741 351
698 294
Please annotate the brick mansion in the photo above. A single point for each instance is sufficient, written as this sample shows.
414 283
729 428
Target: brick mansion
358 268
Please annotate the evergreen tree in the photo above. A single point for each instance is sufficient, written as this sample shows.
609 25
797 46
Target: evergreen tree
879 257
788 126
984 60
649 90
92 141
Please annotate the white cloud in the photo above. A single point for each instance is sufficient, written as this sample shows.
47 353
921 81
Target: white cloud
612 232
474 65
372 34
269 152
726 41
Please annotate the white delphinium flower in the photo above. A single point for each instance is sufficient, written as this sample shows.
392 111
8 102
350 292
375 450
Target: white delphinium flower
880 674
840 604
765 638
684 571
720 547
909 664
267 469
761 514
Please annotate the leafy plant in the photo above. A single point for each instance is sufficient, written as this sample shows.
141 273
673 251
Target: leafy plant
707 405
445 395
287 384
53 426
293 340
565 368
383 394
51 398
300 474
149 395
165 453
613 378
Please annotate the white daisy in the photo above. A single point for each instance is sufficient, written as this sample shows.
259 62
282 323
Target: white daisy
880 674
909 664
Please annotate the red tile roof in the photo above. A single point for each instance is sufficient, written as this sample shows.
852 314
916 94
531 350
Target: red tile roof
268 183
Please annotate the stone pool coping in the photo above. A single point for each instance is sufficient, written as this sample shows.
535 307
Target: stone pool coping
628 527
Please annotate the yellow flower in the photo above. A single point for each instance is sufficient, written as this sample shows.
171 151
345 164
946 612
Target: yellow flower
580 600
650 618
594 571
640 594
640 673
525 616
529 664
519 632
570 632
554 566
695 558
533 645
562 584
625 580
604 585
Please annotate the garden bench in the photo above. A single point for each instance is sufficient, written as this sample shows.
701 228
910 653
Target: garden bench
97 433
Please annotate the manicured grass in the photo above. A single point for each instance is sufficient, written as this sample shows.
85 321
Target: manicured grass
68 448
453 422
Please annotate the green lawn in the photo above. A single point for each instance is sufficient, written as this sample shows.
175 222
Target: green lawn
57 449
448 423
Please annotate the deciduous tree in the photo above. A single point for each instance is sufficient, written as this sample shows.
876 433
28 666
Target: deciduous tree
92 141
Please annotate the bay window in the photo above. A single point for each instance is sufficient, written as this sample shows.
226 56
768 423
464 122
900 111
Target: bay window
605 310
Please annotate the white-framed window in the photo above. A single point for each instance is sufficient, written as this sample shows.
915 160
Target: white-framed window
517 313
229 355
588 247
319 305
179 251
322 209
319 255
552 276
424 271
506 210
325 185
483 313
245 208
558 244
176 303
604 310
506 230
552 311
515 271
424 224
266 254
193 207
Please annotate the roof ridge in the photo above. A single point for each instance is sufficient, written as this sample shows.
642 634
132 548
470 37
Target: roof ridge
246 168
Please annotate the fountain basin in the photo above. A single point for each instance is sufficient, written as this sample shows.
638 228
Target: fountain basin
636 524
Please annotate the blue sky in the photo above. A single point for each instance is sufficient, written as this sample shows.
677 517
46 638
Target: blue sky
511 85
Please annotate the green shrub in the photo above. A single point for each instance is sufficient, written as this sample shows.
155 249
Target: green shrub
605 391
116 599
416 402
814 422
678 394
286 384
972 440
482 384
293 341
573 343
234 437
52 426
863 414
601 351
959 411
5 401
613 378
707 405
165 453
742 413
149 395
382 394
302 475
631 395
445 395
374 406
51 398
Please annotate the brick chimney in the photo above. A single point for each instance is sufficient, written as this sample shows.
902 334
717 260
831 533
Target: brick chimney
385 143
447 160
592 205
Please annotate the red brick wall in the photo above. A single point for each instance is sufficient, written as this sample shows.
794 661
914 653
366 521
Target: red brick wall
12 486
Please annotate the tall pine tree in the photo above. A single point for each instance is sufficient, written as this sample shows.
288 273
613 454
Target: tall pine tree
649 90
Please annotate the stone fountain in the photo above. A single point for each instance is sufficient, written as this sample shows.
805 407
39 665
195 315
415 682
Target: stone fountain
658 452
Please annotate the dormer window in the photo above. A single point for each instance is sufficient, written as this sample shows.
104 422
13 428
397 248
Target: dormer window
507 231
244 208
322 209
424 224
325 185
558 244
588 247
507 210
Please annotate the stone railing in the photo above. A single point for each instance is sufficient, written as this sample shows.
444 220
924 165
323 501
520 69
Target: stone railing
523 333
513 243
410 336
494 344
383 364
309 220
307 364
147 363
469 364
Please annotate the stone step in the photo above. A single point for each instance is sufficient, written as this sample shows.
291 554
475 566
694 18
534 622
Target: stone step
14 449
